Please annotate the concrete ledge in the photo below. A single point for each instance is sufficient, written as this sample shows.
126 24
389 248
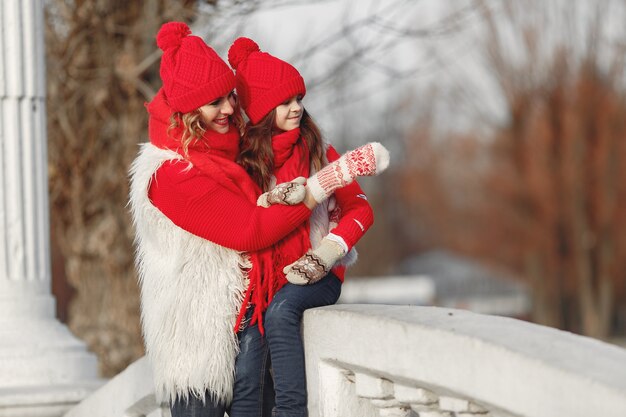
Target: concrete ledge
376 360
505 365
130 393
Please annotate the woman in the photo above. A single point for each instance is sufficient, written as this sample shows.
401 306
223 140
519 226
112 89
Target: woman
195 215
282 141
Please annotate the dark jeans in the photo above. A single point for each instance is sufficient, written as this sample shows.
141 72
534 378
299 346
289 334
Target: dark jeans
282 330
194 407
253 394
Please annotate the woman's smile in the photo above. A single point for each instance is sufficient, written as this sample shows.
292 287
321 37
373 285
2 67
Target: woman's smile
222 122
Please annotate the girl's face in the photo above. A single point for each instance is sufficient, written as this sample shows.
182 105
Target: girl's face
215 115
289 113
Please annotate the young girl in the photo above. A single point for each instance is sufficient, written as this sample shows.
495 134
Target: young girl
282 141
195 214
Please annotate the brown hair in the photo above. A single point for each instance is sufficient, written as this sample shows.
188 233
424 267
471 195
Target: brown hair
257 156
194 128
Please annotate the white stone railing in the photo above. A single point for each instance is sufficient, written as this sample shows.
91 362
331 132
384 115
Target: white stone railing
374 360
128 394
394 361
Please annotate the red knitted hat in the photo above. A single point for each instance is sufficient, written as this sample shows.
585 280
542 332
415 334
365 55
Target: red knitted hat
192 73
263 81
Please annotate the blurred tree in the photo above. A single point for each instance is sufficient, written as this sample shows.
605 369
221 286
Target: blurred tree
101 67
557 185
556 179
542 194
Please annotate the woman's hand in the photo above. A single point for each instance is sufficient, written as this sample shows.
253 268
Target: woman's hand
286 193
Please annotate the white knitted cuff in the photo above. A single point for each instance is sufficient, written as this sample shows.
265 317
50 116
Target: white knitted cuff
316 189
338 239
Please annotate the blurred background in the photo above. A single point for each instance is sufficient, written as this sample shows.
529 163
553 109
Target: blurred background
506 121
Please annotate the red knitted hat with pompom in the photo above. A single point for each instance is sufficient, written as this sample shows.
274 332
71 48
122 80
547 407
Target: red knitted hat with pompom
192 73
263 81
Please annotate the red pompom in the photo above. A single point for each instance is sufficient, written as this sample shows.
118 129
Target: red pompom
171 35
240 50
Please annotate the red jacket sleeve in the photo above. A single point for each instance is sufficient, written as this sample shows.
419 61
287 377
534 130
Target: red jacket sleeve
200 205
357 215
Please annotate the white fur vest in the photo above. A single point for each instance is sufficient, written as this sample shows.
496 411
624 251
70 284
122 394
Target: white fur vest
191 292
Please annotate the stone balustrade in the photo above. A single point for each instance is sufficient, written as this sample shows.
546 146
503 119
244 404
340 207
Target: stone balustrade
375 360
128 394
426 361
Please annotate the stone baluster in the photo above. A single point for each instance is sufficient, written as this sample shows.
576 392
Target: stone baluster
396 399
453 404
461 407
380 392
419 399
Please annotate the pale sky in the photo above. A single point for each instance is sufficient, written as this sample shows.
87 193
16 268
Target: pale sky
288 31
363 104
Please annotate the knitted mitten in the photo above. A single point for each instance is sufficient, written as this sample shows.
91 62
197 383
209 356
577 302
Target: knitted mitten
315 264
368 160
286 193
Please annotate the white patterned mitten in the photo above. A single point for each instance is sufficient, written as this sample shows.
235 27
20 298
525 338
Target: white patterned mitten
315 264
286 193
367 160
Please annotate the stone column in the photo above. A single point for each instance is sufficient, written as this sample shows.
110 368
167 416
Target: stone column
44 370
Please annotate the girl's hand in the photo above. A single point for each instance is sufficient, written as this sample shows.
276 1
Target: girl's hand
315 264
286 193
366 161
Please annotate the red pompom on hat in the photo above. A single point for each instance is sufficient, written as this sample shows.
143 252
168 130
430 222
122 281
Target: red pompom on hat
263 81
171 35
240 50
192 73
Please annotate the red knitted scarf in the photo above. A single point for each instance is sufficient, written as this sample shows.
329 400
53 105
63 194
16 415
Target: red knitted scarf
291 160
215 155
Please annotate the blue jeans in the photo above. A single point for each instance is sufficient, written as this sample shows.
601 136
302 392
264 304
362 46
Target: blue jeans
282 330
253 394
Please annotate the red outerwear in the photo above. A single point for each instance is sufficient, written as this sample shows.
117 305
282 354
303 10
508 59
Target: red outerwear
357 215
200 205
213 198
291 160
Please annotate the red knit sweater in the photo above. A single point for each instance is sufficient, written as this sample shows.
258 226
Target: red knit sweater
200 205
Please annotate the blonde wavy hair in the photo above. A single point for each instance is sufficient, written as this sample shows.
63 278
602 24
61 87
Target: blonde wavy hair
194 128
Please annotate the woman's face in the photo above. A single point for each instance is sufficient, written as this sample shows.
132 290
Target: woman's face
215 115
289 113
